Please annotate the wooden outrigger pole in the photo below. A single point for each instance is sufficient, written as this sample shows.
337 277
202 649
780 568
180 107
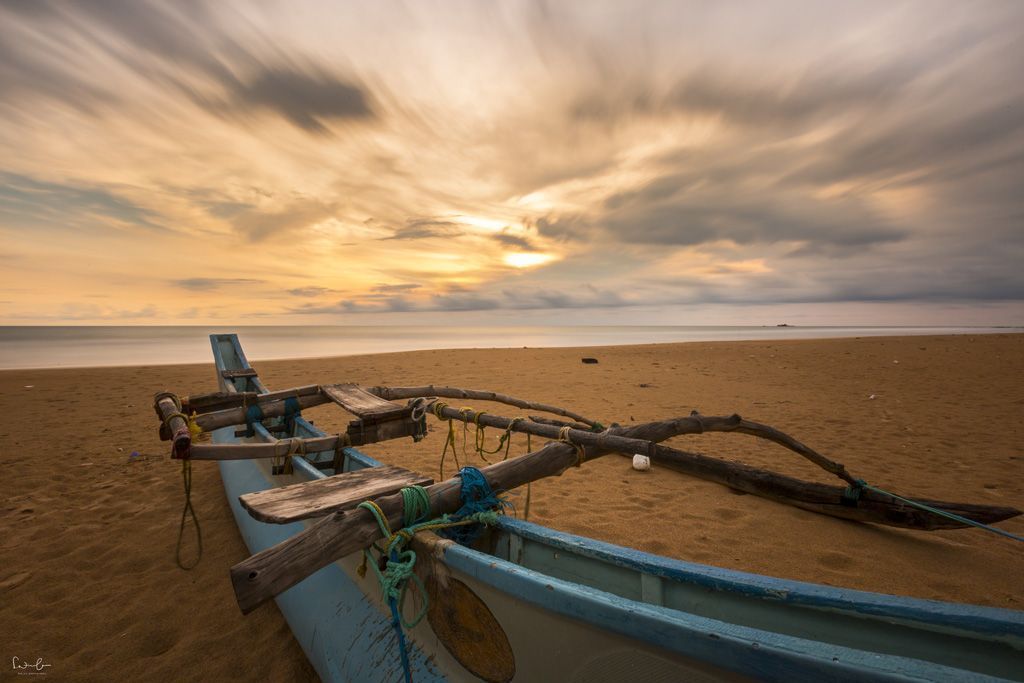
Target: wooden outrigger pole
341 532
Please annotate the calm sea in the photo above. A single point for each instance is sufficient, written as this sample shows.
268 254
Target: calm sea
54 347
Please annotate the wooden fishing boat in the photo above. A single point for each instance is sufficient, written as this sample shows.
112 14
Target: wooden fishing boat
528 603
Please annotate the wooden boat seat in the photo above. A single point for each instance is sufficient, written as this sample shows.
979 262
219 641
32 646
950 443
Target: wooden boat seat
324 496
364 405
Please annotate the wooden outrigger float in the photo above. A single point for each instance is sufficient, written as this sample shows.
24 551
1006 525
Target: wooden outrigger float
529 603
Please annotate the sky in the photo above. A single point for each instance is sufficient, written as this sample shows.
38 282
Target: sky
199 162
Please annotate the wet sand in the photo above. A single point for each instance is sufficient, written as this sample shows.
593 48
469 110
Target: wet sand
88 580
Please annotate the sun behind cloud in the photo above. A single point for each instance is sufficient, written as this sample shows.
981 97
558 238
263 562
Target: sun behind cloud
527 259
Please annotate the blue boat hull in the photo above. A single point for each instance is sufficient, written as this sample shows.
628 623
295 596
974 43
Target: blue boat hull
574 608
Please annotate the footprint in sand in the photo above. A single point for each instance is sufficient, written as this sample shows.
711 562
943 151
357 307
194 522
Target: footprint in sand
728 514
157 641
15 580
835 560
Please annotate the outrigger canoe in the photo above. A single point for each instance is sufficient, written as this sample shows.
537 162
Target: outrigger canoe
534 604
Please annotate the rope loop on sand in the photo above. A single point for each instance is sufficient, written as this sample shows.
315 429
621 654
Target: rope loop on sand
186 476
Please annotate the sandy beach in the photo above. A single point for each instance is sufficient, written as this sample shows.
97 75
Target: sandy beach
88 580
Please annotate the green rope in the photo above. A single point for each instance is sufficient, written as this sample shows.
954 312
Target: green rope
401 561
186 476
415 505
936 511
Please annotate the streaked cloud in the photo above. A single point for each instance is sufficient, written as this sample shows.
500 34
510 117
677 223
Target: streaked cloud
208 284
479 160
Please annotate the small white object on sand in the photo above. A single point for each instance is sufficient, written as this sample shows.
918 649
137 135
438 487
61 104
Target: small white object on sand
641 463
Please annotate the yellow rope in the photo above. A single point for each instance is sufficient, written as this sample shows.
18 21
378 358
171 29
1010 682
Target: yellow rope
563 435
449 441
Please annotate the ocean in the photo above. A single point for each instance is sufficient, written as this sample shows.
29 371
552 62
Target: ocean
81 346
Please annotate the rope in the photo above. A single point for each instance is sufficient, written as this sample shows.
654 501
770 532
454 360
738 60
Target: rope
479 438
252 414
861 484
437 408
465 428
563 435
418 414
186 479
478 503
526 506
186 476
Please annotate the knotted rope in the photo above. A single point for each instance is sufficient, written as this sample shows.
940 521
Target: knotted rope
479 506
563 436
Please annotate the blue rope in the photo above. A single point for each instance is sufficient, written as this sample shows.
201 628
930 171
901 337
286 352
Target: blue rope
477 497
861 484
252 414
464 526
292 410
396 624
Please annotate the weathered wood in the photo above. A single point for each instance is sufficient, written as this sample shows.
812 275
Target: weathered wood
255 451
364 405
399 393
541 420
271 571
236 374
360 433
324 496
276 569
220 400
823 498
269 408
173 423
208 403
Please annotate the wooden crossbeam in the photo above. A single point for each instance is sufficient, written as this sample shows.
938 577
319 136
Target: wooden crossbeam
235 374
324 496
364 405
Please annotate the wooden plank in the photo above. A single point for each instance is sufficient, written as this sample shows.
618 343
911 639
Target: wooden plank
360 433
221 400
364 405
235 374
324 496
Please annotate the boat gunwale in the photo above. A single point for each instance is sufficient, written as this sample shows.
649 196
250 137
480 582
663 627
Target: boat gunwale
616 612
973 618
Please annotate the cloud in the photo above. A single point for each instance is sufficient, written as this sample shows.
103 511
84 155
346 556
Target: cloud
424 228
310 291
646 147
520 242
391 289
467 300
209 284
286 216
306 98
185 46
30 202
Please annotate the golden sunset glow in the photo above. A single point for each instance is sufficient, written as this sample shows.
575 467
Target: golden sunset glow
311 163
521 260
